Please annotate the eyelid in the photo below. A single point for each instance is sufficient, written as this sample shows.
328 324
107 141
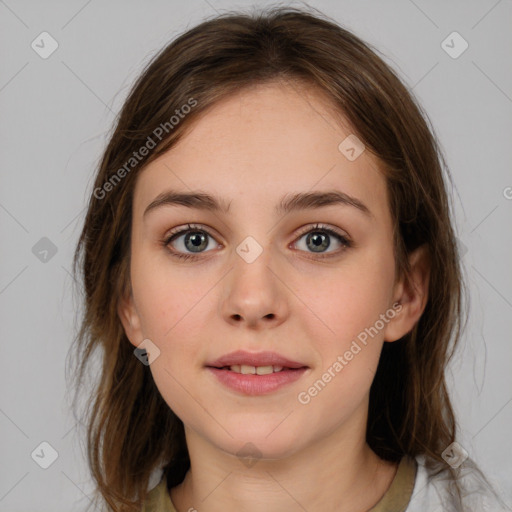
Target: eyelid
323 227
184 228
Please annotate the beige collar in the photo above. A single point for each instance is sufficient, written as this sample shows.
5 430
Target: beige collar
399 494
396 499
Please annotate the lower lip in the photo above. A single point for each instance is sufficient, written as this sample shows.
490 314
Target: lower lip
257 384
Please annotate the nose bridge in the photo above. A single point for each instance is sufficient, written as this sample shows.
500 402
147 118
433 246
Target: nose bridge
252 263
253 293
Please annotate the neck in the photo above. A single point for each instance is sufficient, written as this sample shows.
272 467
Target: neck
336 473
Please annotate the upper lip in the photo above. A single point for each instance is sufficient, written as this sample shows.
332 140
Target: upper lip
240 357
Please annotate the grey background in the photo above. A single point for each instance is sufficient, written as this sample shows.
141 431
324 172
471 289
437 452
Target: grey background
55 114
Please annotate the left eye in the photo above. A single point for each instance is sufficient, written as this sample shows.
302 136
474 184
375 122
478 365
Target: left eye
318 240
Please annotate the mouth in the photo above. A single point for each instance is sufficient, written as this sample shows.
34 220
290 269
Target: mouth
246 369
256 373
252 362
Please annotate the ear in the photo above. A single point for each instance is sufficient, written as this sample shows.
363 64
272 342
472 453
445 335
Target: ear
412 295
129 317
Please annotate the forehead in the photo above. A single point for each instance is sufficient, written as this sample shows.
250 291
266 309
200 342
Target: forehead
263 143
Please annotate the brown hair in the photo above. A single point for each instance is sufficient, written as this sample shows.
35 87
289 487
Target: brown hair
130 429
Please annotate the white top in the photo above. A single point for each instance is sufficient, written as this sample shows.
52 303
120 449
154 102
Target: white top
436 494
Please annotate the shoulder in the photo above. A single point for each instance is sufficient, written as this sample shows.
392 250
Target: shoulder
465 489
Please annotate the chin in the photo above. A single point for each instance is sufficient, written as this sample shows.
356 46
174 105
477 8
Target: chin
256 443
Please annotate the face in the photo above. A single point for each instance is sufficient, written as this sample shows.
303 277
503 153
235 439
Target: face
307 284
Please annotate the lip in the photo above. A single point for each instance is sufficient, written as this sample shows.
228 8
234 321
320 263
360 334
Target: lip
256 384
255 359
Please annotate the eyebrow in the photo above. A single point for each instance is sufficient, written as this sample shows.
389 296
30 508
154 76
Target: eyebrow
292 202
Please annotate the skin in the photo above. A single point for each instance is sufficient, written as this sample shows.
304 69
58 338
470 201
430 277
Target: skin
253 149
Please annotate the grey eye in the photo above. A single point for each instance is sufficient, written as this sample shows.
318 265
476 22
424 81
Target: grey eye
318 240
192 241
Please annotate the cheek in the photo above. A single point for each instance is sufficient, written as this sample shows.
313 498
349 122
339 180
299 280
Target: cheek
349 299
171 307
168 297
348 341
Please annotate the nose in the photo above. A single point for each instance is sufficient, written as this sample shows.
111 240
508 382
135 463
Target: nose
254 295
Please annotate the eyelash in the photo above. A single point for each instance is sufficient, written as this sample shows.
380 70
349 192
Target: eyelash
345 242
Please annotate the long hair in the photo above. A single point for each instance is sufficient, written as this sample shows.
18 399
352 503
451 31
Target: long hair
131 431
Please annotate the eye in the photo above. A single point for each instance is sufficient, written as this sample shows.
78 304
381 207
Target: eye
319 238
186 243
191 242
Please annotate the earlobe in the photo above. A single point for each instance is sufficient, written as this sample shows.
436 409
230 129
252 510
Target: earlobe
129 317
412 294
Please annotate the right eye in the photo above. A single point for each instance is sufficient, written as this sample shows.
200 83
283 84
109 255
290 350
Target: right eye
189 242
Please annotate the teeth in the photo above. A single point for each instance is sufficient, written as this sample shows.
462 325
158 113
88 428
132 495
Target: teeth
245 369
264 370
